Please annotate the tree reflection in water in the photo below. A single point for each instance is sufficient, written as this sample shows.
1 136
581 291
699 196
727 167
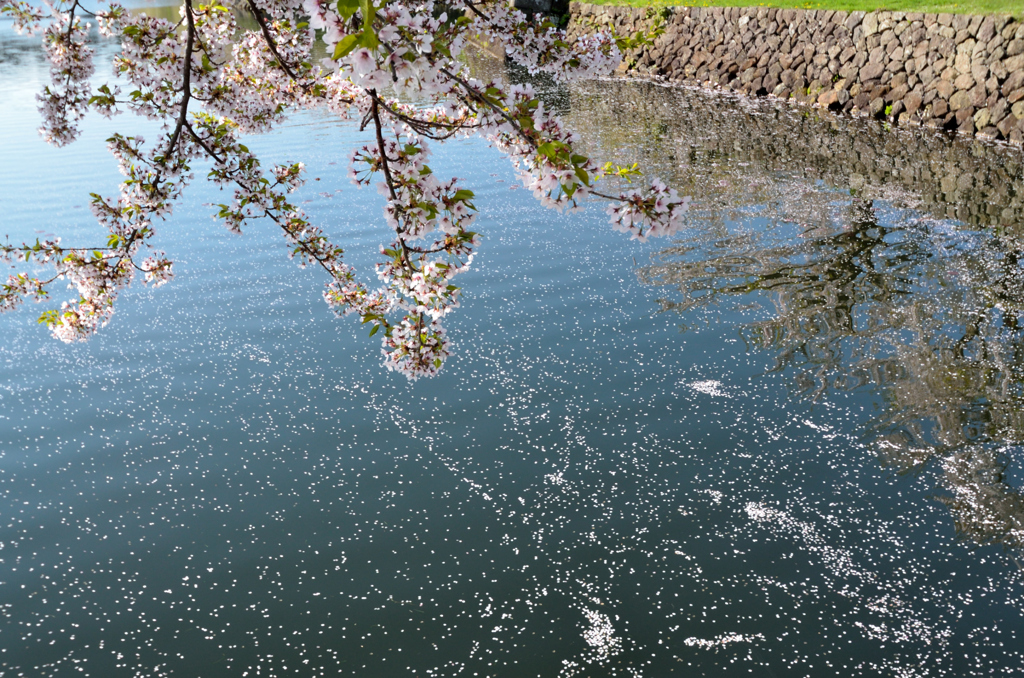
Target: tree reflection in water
857 294
877 292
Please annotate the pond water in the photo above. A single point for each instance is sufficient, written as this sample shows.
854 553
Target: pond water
784 443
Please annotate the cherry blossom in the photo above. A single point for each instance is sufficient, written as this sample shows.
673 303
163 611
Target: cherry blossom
208 82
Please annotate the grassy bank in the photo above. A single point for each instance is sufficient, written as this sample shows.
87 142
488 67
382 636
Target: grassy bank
1013 7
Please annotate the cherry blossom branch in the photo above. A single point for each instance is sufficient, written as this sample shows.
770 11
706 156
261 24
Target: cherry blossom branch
424 127
272 45
186 78
246 81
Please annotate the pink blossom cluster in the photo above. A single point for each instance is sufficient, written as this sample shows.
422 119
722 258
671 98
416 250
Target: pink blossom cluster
399 53
539 146
64 102
97 278
416 348
542 46
417 278
26 16
18 287
209 81
655 212
157 269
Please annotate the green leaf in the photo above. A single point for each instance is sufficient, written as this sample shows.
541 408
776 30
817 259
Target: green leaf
374 330
463 194
369 39
547 149
345 45
346 8
430 208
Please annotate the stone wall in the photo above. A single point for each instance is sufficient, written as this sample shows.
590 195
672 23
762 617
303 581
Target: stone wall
948 71
728 153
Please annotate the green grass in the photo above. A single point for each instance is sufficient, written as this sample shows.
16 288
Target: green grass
1013 7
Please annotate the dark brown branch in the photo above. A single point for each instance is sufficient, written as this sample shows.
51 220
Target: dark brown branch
497 109
71 20
387 169
206 51
477 12
375 114
201 142
186 86
260 19
424 127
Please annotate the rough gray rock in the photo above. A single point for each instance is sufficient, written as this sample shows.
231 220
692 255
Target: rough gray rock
939 70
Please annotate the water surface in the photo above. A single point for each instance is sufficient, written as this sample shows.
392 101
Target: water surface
785 443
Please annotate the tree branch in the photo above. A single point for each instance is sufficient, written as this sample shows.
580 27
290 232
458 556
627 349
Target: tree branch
186 85
273 45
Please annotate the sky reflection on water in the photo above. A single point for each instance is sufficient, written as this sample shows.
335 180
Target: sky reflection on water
784 444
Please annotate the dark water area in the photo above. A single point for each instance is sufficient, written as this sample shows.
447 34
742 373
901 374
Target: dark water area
785 442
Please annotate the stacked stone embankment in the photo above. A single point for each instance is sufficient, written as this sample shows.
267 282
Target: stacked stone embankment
949 71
